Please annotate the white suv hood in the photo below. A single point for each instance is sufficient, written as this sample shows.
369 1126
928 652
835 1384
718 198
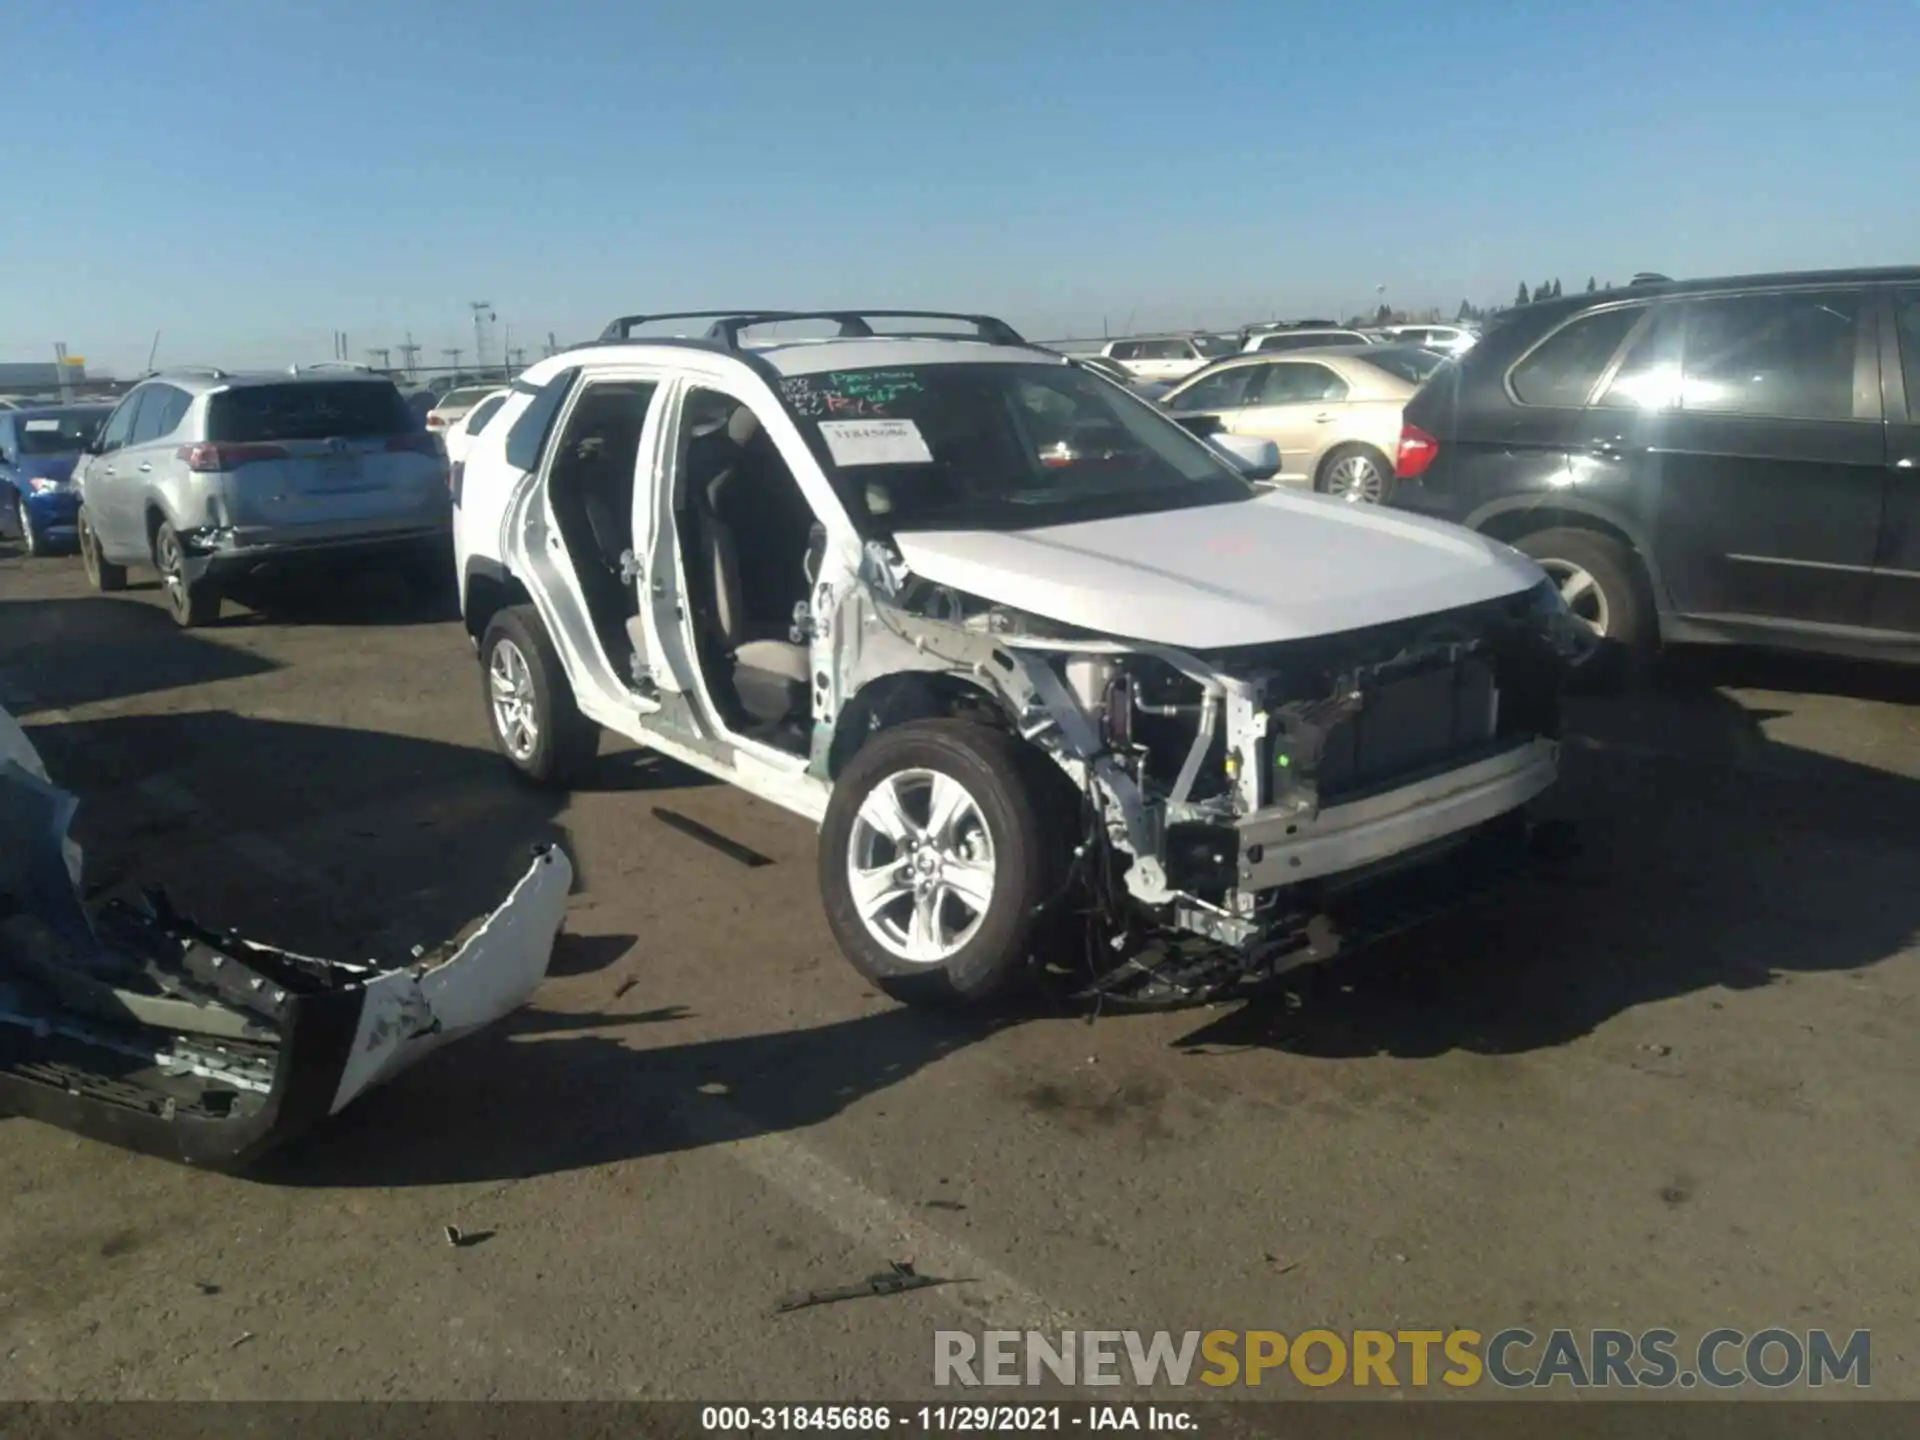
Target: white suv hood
1280 567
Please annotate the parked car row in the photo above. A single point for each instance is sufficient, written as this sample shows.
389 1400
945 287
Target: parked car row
1040 654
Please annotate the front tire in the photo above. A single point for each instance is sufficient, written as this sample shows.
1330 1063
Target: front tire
1604 585
192 603
1358 474
531 711
102 574
935 855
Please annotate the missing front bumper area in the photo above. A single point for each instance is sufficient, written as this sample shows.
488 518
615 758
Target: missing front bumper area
1217 955
136 1026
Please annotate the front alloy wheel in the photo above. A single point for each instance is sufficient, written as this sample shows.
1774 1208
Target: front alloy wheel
942 845
1581 591
920 865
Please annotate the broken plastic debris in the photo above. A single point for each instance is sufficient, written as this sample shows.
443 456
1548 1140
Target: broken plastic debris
136 1026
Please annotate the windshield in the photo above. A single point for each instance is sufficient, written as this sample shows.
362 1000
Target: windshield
469 396
975 446
1409 362
309 410
1310 340
1214 346
59 432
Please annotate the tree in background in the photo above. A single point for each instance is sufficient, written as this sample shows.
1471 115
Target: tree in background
1463 314
1521 298
1556 289
1591 287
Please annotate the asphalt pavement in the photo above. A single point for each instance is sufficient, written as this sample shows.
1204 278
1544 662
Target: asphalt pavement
1674 1085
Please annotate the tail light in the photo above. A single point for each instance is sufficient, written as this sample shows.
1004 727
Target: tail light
436 422
206 458
1417 452
417 442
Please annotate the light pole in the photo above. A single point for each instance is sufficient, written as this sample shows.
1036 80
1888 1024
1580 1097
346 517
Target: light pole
482 310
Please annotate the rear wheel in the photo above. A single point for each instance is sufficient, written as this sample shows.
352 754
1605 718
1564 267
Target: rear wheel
935 857
1603 584
102 573
1355 473
190 602
530 707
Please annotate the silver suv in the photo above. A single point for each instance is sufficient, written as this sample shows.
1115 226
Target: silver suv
206 476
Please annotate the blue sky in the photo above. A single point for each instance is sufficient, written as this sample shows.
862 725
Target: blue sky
248 178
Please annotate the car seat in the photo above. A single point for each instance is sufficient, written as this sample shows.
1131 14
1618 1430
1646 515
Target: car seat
769 669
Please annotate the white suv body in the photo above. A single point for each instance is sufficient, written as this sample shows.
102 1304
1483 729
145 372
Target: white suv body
1030 653
1446 339
1166 357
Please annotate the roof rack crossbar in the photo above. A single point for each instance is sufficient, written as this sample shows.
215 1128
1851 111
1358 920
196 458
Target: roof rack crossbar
858 323
853 323
625 325
212 372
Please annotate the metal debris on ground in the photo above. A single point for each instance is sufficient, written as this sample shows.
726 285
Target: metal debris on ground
462 1239
248 1335
896 1280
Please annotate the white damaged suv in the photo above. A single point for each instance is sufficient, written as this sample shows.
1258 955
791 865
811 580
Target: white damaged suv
1063 688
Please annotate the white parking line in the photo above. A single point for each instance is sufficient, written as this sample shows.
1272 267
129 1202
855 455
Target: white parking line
999 1301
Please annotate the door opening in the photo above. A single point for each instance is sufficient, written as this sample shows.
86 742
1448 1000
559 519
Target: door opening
750 543
590 490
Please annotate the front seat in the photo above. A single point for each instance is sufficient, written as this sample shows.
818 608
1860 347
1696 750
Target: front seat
769 671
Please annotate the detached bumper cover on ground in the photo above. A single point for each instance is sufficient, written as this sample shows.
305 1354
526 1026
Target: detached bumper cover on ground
141 1028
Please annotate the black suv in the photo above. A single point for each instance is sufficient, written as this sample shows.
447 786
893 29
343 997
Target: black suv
1704 460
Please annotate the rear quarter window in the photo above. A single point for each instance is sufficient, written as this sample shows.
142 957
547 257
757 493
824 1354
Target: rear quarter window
1563 369
345 410
478 417
528 437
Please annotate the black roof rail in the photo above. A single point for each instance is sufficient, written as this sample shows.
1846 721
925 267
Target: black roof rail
853 323
1650 277
623 328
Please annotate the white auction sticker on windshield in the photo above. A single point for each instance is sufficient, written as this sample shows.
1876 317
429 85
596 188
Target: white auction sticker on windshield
875 442
33 425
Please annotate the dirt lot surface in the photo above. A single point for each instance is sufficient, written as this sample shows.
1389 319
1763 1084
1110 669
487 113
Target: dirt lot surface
1676 1086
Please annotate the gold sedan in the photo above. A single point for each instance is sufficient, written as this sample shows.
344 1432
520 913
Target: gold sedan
1333 413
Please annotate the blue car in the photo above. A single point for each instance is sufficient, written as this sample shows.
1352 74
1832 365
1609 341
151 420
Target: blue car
38 448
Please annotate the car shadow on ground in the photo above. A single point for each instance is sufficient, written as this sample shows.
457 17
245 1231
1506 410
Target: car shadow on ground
359 597
534 1096
1711 857
63 653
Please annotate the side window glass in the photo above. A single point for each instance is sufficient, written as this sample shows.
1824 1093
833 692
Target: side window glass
1126 350
120 423
1320 383
176 411
1789 356
1906 310
1224 391
1287 384
1649 373
528 437
158 414
1563 369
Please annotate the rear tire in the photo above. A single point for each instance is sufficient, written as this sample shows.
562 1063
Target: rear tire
102 573
947 911
1356 473
192 603
1606 587
531 713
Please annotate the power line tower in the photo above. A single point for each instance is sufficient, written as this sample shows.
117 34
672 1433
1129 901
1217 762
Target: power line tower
409 356
383 356
482 313
553 345
453 360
